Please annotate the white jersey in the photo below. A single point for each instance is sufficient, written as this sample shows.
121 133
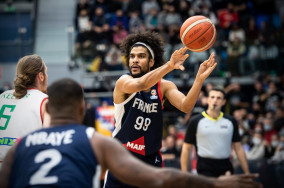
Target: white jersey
19 117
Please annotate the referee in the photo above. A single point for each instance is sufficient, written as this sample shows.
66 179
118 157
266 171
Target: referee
213 134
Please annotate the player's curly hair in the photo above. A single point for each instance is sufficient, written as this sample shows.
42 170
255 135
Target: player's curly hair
152 39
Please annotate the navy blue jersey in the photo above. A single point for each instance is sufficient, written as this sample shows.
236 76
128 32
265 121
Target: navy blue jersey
139 121
60 156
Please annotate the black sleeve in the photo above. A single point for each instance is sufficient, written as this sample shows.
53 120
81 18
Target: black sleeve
236 135
190 135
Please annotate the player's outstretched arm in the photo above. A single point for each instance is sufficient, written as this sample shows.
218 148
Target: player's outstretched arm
112 155
128 84
186 103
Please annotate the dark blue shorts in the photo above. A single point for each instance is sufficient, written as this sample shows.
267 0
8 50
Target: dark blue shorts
154 159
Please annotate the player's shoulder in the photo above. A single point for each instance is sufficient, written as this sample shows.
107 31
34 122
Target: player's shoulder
124 78
167 84
126 75
36 92
197 117
164 81
229 117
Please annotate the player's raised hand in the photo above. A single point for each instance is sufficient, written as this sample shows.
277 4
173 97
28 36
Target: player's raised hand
178 58
207 67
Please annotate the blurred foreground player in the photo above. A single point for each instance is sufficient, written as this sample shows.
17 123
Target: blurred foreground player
72 155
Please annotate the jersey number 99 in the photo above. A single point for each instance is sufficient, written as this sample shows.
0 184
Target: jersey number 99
142 123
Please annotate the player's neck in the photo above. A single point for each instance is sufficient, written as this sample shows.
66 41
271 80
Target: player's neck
55 121
213 113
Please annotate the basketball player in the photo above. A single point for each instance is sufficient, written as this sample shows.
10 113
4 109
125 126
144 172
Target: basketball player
68 154
22 110
139 97
213 134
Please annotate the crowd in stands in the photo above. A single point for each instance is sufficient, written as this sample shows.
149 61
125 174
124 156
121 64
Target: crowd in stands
250 33
259 112
250 40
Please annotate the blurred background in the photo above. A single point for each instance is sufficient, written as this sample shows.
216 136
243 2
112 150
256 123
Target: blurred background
80 39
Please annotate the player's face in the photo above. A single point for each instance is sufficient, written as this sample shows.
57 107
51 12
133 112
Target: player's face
139 63
215 100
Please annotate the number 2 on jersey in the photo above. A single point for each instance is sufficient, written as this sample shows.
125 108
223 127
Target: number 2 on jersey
142 123
40 176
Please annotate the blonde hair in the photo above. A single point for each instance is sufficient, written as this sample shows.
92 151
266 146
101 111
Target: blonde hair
27 69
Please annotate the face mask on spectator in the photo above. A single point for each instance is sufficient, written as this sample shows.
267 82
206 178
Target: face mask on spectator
256 141
267 127
274 143
258 130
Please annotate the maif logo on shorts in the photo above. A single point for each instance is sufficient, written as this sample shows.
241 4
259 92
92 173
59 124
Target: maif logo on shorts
137 146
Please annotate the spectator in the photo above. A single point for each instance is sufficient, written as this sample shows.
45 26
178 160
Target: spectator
236 98
241 6
170 154
271 148
257 92
269 53
148 6
199 4
271 97
133 6
268 129
135 23
251 60
119 19
227 17
151 20
119 34
172 17
81 5
103 4
258 127
257 151
236 49
84 47
172 131
251 32
237 32
183 9
113 59
279 118
100 25
162 16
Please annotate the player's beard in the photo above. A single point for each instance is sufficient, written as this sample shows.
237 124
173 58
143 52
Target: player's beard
142 72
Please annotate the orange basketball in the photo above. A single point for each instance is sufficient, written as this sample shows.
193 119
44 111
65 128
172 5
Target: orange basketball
198 33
